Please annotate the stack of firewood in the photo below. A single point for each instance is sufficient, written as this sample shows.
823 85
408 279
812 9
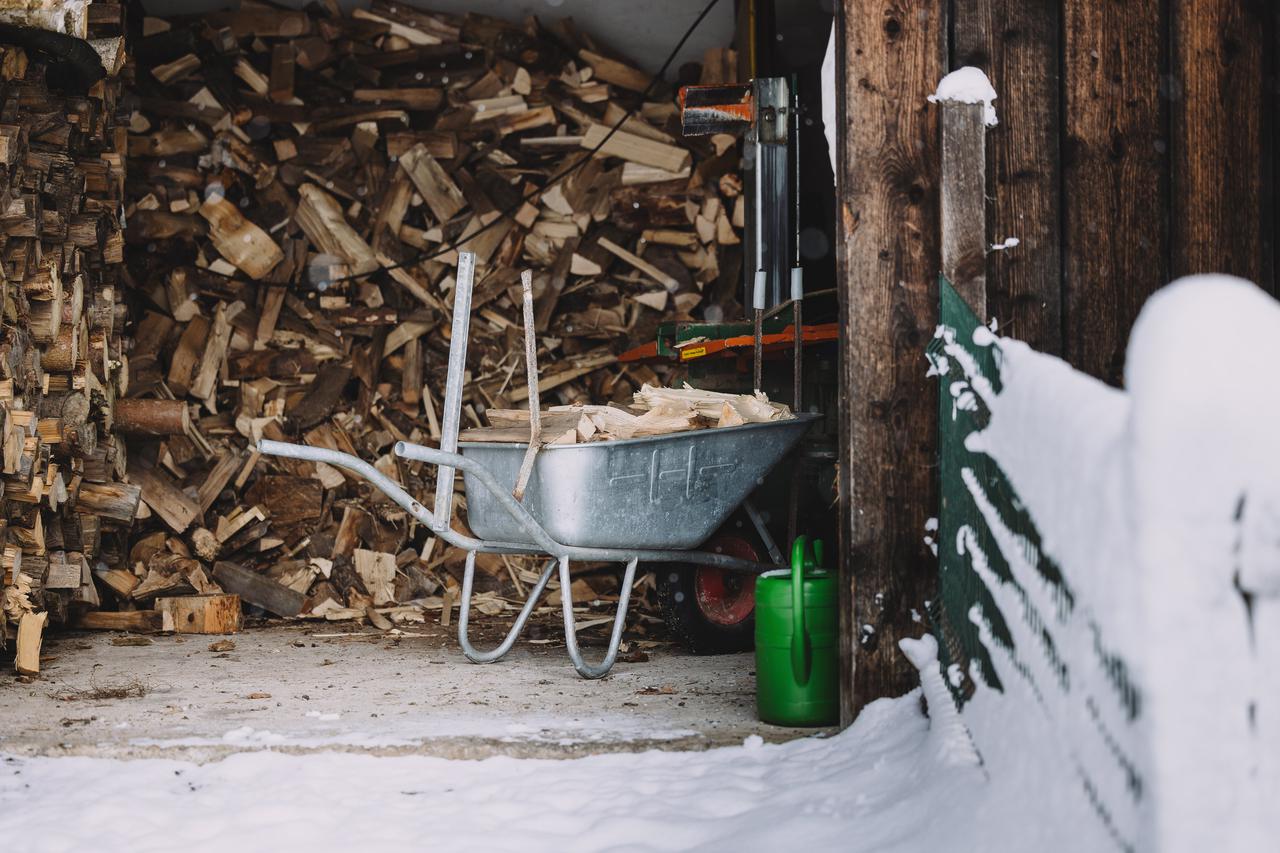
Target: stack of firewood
300 185
62 176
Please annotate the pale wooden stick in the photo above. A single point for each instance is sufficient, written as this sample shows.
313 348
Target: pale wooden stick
531 364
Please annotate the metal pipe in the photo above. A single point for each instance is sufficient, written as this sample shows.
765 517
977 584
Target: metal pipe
453 385
758 205
585 669
797 314
464 610
760 285
514 508
389 487
354 464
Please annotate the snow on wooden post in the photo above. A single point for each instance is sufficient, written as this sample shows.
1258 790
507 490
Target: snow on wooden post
965 96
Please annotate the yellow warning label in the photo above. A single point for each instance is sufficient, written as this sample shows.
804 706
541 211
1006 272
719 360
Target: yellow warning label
692 352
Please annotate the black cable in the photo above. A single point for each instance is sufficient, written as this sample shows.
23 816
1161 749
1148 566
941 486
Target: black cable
555 179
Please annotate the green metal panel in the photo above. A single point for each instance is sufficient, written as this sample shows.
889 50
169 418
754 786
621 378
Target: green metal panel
959 587
1068 687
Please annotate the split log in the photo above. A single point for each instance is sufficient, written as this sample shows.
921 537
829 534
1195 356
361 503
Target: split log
30 634
202 614
257 590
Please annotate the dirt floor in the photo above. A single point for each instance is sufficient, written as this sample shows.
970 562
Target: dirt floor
339 686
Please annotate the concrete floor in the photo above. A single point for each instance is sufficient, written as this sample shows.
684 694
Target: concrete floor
338 686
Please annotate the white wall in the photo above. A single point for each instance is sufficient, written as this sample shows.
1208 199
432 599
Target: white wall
645 30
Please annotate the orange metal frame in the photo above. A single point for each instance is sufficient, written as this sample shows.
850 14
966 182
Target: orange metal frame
701 349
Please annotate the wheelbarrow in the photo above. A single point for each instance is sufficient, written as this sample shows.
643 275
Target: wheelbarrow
651 499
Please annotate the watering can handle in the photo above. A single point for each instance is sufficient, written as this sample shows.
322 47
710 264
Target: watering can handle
801 653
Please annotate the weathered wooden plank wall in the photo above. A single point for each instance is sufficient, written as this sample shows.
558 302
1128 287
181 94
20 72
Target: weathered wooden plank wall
1218 149
1115 154
1137 142
1017 42
887 213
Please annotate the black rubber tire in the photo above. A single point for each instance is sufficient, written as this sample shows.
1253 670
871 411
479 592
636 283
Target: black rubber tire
676 596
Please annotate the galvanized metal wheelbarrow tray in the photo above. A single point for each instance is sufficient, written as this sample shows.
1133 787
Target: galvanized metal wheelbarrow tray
647 499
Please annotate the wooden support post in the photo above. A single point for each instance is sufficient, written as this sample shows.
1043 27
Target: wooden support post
964 208
888 261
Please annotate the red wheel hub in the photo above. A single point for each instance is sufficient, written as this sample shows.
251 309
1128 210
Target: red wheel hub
726 598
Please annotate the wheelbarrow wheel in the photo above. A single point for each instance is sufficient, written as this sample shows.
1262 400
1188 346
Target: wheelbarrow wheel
710 610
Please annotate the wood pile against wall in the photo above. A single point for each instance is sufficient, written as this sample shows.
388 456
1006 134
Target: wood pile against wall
275 155
62 174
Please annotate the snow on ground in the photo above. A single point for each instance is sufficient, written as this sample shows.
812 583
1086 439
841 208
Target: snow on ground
873 787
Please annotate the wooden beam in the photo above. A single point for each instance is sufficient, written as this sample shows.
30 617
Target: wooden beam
1017 43
1115 240
887 266
639 263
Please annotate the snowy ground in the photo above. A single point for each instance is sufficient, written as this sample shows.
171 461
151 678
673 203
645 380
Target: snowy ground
295 740
865 789
300 740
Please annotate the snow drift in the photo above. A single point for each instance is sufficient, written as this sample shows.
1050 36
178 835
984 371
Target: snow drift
1126 548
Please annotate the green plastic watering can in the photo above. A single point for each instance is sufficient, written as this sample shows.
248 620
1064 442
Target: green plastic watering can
797 656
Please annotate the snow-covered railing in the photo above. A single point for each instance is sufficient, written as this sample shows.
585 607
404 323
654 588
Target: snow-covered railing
1109 608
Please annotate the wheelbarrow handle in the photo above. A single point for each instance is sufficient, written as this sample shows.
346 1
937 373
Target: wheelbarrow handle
442 458
354 464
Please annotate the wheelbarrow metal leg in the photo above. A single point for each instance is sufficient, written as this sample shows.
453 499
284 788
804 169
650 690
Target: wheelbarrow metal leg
464 609
757 521
571 632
